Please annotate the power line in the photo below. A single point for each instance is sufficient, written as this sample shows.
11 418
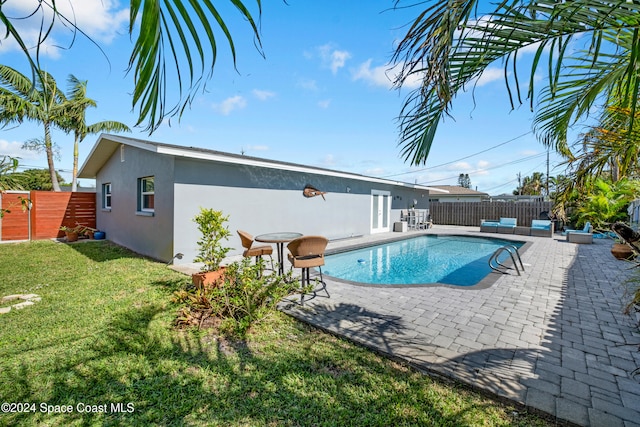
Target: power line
25 167
462 158
524 159
517 178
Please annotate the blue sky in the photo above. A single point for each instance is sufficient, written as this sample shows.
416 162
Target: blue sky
321 96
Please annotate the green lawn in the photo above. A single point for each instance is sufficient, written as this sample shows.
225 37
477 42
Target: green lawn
102 342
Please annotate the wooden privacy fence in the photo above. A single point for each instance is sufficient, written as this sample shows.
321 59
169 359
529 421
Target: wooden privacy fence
49 211
471 213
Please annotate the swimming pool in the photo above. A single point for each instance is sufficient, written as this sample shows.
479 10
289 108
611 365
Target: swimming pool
450 259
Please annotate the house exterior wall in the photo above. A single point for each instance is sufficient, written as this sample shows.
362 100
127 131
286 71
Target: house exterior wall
148 235
262 200
257 199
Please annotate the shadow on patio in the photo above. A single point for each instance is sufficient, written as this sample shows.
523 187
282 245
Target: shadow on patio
563 348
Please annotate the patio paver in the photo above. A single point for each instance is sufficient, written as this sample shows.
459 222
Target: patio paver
554 339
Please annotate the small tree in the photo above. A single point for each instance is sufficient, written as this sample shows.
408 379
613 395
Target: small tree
211 250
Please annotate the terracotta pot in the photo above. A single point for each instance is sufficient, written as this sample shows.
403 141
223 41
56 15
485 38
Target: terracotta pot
208 278
72 236
622 251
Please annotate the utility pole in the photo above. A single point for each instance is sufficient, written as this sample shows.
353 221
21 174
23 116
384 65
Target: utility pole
519 185
547 185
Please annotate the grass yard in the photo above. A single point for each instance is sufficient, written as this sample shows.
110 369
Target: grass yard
101 346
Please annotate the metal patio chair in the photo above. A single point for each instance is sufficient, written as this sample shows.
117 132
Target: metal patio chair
254 251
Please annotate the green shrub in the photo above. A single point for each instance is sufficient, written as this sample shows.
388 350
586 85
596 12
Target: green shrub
246 296
211 226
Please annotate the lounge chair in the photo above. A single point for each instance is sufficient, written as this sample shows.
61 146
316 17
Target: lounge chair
580 236
489 226
542 228
586 229
507 225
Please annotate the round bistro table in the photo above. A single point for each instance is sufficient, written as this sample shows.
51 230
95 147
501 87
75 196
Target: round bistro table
279 238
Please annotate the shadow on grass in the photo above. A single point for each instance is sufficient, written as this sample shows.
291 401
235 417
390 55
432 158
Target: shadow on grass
103 250
167 377
495 370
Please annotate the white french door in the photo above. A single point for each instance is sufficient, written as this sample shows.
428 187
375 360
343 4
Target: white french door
380 211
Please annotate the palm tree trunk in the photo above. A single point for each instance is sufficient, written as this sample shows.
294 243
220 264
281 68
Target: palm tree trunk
74 179
48 147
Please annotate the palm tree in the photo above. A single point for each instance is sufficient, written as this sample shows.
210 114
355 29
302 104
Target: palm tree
451 43
532 185
167 33
20 100
76 121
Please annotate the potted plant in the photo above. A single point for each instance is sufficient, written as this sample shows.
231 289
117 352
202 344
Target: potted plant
72 233
211 250
623 247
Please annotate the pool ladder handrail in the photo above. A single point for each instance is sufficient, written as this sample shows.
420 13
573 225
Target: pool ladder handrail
513 254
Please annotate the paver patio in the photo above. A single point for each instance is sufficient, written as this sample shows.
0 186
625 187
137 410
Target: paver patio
554 339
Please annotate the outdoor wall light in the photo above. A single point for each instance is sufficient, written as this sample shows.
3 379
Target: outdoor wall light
179 255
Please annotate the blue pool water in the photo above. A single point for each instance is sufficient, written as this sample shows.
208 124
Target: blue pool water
453 260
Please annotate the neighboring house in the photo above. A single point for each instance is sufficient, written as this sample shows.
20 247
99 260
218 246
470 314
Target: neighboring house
148 193
456 193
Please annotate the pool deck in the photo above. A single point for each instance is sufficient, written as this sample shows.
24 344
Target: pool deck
554 339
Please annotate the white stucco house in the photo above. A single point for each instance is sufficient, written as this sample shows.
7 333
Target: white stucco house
148 193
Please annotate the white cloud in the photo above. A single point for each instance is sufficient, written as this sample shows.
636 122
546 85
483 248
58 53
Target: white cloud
14 149
101 20
383 75
307 84
460 166
230 104
375 171
324 104
263 95
332 58
256 148
489 75
376 76
329 160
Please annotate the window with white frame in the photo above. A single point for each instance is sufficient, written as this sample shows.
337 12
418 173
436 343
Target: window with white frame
146 192
106 195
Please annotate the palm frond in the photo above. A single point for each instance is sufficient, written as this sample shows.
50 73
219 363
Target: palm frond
176 38
450 44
